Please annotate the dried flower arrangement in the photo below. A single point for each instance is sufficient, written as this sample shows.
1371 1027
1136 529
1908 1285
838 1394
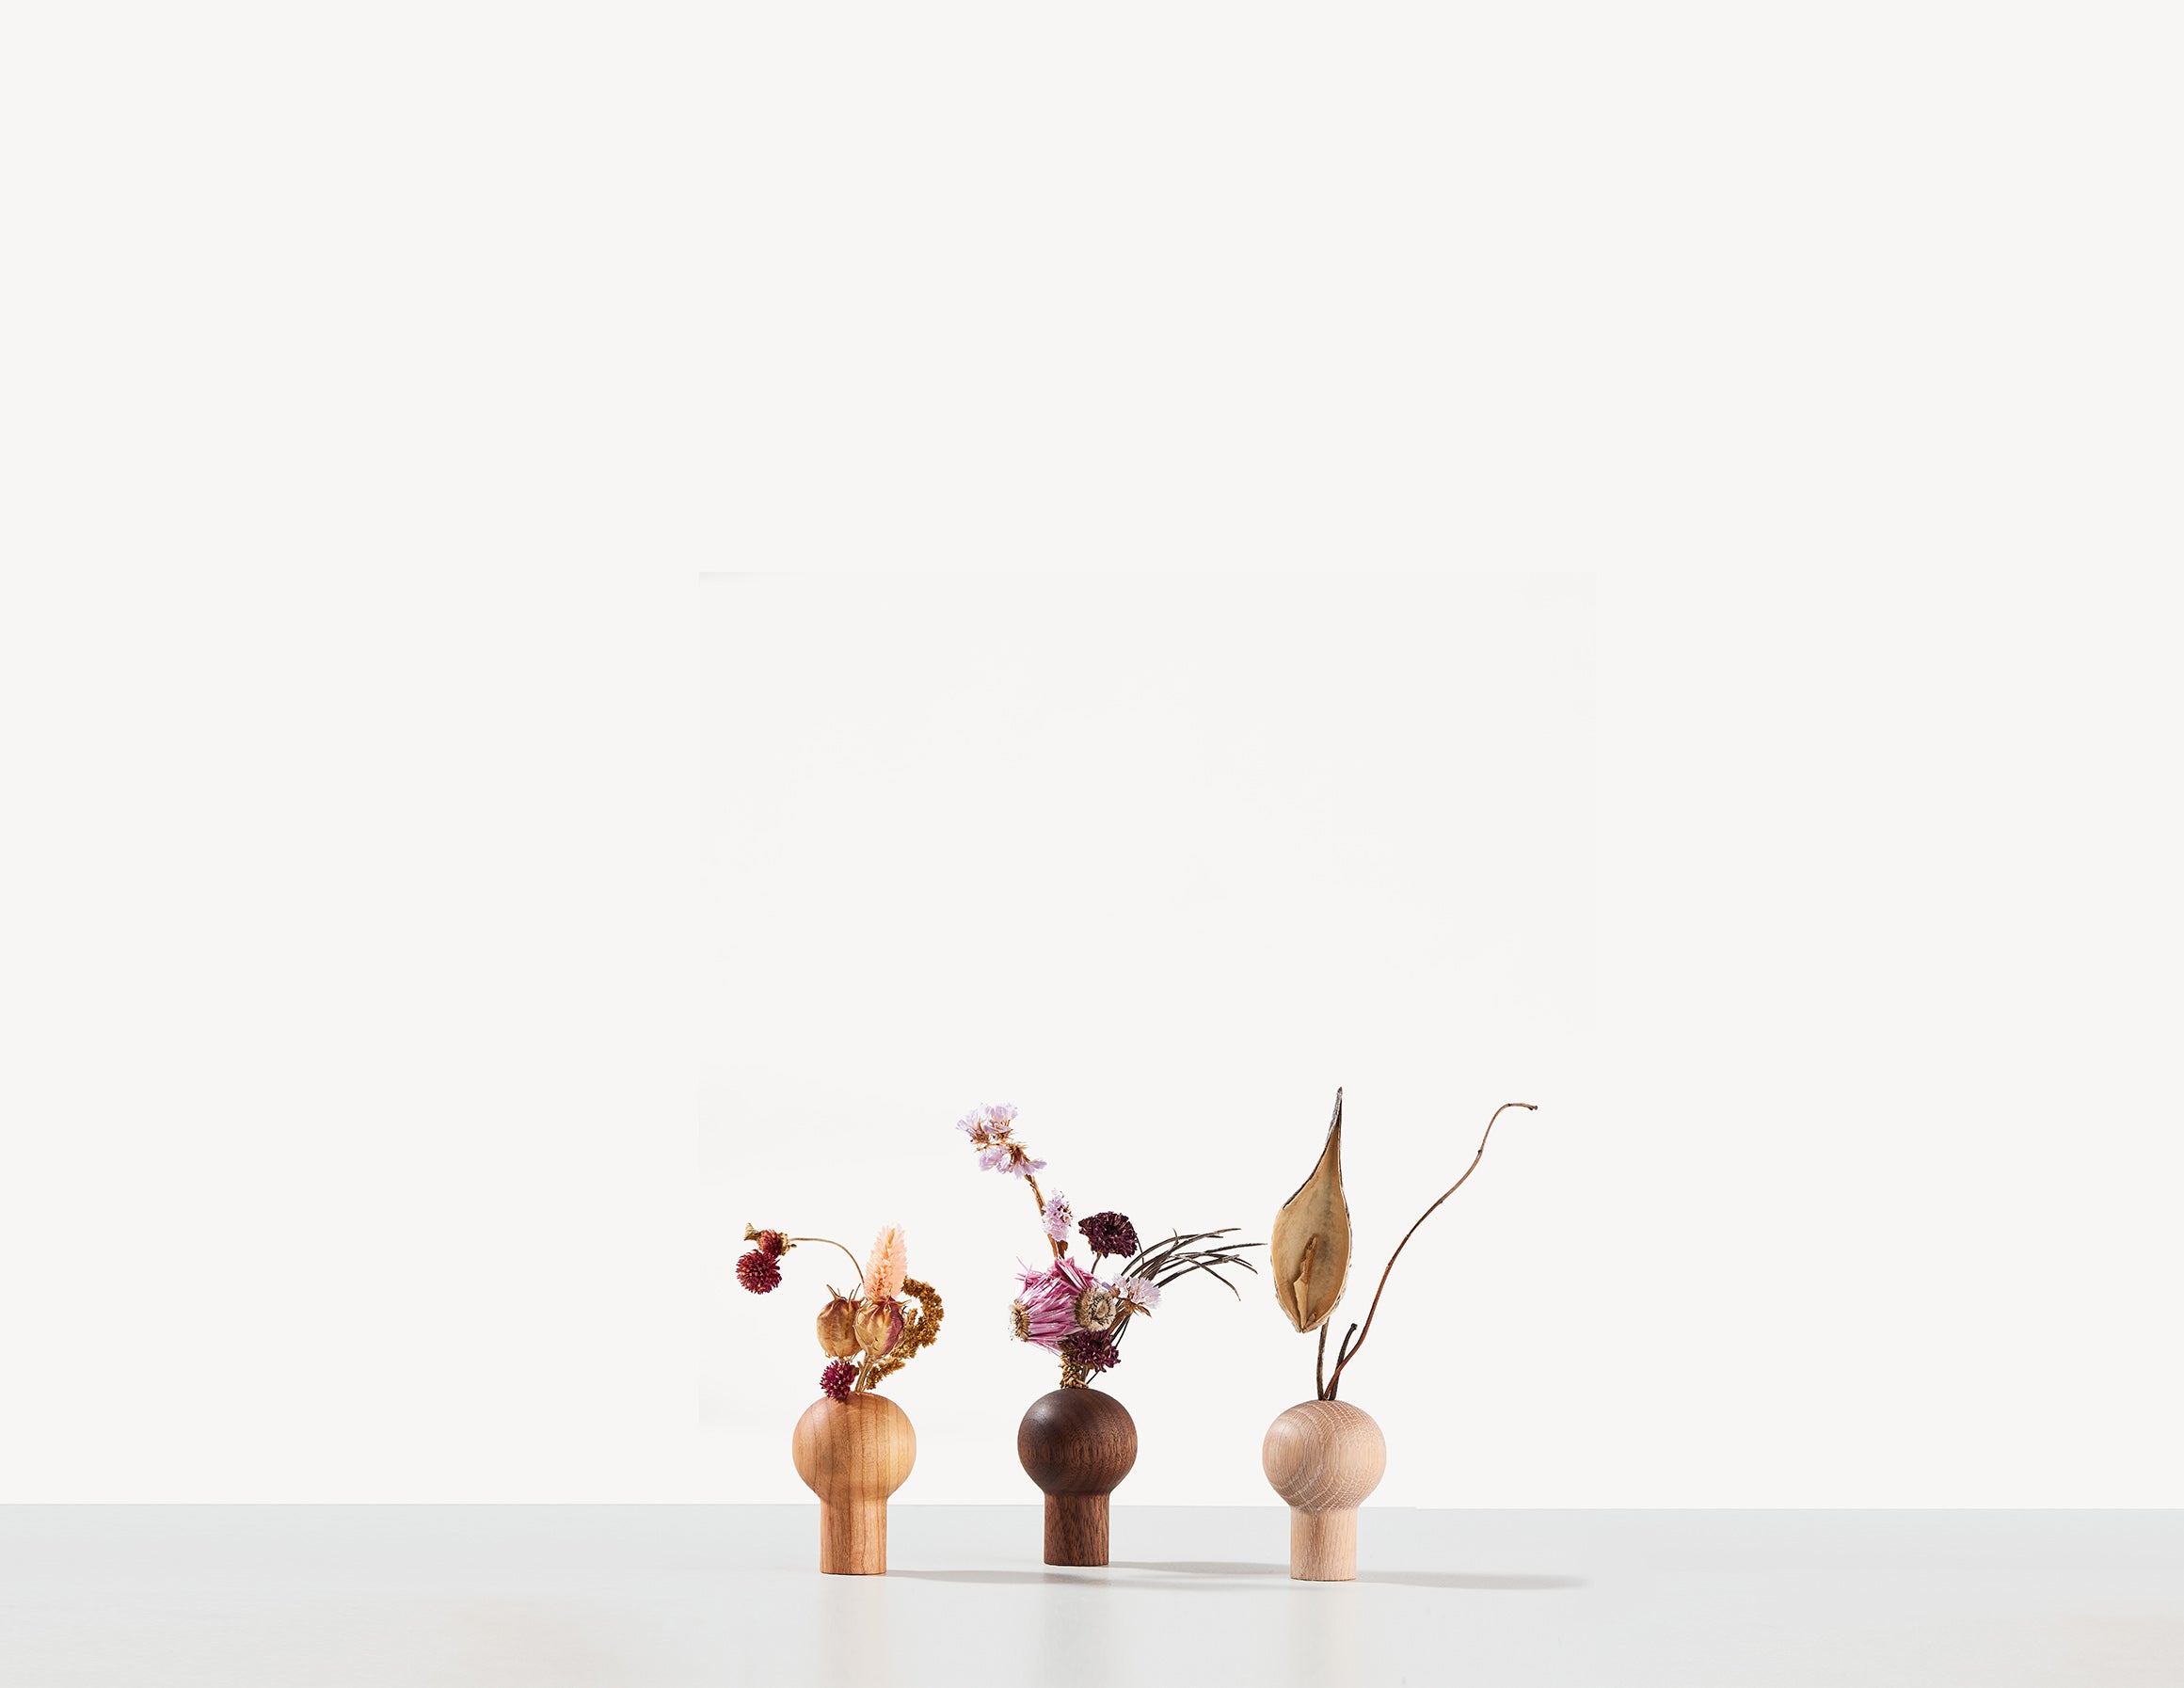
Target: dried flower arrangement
1325 1456
1311 1250
869 1334
1071 1310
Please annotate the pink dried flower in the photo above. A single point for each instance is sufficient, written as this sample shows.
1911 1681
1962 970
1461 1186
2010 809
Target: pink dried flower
888 1264
837 1378
992 1131
1020 1164
758 1272
1056 1217
1139 1295
1049 1301
988 1126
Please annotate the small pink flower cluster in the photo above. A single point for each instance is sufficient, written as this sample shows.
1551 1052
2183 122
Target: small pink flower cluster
992 1131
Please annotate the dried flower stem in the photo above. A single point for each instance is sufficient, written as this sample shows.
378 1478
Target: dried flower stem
1349 1352
860 1271
1172 1258
1039 1201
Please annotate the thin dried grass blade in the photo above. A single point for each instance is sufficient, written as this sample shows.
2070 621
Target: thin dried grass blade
1311 1245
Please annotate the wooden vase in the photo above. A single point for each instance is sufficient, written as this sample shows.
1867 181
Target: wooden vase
1323 1458
854 1455
1076 1445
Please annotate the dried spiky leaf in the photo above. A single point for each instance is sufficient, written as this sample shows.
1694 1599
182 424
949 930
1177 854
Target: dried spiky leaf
1311 1245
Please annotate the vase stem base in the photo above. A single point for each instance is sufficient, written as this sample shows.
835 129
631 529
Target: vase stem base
852 1538
1076 1529
1323 1546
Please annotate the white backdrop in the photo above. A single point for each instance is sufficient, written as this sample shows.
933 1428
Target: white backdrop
1163 862
375 384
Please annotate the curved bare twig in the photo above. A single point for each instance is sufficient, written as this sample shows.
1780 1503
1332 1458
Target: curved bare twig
1350 1352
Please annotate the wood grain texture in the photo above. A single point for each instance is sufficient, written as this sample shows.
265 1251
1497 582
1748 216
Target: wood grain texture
854 1455
1324 1457
1076 1445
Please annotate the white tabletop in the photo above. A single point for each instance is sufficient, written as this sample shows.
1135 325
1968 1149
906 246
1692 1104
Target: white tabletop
631 1597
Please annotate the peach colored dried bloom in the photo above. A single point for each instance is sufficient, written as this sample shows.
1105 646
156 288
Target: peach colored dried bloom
890 1260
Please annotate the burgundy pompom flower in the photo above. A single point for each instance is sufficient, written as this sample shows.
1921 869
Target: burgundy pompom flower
771 1243
837 1378
1110 1233
1094 1350
758 1272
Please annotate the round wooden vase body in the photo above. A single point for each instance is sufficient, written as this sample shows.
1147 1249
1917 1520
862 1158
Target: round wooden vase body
1323 1458
1076 1445
854 1455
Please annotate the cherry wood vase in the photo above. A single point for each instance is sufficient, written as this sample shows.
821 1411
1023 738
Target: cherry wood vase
854 1455
1076 1445
1323 1458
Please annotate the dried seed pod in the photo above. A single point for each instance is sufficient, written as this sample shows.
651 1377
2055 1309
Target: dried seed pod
1098 1308
838 1328
1311 1245
879 1326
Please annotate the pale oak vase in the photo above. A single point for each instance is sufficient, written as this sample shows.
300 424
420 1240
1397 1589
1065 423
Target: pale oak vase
854 1455
1324 1457
1076 1445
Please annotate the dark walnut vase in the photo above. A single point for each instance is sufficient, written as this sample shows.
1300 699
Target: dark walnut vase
1076 1445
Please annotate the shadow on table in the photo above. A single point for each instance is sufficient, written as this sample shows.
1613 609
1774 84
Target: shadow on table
1034 1577
1089 1576
1408 1579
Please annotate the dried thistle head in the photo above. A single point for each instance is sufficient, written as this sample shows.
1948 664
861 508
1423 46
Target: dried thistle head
1098 1308
1311 1244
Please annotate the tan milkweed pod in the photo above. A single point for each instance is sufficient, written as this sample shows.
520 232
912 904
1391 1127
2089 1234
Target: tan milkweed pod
1310 1245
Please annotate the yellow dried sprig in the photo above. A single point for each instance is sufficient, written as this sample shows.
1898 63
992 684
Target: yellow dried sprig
920 1327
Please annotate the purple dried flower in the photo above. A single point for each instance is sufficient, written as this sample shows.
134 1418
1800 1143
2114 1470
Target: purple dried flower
1056 1217
990 1129
1094 1350
758 1272
837 1378
1110 1233
1020 1164
989 1125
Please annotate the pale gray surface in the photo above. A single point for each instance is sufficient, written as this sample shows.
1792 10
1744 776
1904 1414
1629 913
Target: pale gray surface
310 1597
